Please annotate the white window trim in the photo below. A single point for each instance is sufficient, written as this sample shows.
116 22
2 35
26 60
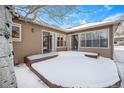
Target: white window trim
51 33
92 38
64 39
20 32
68 44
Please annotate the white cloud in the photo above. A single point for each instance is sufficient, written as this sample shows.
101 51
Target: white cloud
83 22
72 14
119 16
75 21
66 17
66 26
108 7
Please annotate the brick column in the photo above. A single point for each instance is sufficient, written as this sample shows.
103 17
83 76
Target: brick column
7 75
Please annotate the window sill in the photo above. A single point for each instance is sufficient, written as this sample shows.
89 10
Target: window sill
16 40
97 47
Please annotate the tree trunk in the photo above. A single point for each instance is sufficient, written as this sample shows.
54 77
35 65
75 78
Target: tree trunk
7 75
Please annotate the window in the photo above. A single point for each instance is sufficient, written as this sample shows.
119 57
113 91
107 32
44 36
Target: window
58 40
104 38
16 32
83 40
61 41
95 38
88 39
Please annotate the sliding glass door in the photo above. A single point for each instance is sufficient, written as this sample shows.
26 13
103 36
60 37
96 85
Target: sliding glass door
74 42
47 42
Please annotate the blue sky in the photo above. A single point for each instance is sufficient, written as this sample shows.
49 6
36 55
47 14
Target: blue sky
100 12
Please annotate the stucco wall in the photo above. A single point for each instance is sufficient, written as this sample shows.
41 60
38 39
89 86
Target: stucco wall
62 49
31 42
105 52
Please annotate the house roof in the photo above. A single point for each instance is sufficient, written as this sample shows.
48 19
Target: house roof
91 25
76 28
41 23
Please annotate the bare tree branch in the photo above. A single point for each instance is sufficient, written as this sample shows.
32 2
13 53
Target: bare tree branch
56 13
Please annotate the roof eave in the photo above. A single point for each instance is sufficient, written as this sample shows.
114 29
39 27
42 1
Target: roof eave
71 30
85 28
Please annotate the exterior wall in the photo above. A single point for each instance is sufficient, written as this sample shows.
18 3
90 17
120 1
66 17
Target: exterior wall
62 49
105 52
7 75
31 41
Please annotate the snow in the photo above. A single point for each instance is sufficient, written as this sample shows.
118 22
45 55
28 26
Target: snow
119 58
90 25
73 69
26 78
72 53
119 53
120 28
42 55
120 67
119 16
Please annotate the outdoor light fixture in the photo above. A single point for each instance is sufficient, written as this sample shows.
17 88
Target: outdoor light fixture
32 30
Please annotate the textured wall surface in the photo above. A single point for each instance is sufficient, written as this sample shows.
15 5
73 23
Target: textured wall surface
7 75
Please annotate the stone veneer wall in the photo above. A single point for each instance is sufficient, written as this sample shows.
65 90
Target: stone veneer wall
7 75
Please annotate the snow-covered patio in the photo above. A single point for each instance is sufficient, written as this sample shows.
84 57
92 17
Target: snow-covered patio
74 69
26 78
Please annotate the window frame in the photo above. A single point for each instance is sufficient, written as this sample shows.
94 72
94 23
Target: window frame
64 40
107 38
20 32
84 34
88 37
100 30
98 33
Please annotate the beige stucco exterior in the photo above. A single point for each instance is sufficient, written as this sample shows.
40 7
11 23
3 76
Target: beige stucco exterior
32 41
105 52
